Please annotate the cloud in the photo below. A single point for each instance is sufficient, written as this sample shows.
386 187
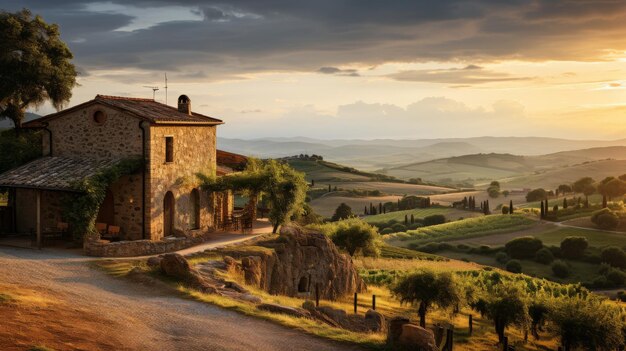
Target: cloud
242 36
430 117
471 74
338 71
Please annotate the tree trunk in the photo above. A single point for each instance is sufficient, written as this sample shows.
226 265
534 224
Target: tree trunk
422 313
275 228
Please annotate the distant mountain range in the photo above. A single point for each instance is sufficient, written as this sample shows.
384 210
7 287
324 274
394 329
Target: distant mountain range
388 153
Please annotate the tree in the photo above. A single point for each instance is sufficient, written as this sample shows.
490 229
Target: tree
586 324
523 247
565 203
560 269
20 149
511 207
605 219
544 256
543 211
506 305
614 256
536 195
35 65
343 211
514 266
573 247
612 188
434 219
427 288
585 186
286 190
353 235
505 209
564 189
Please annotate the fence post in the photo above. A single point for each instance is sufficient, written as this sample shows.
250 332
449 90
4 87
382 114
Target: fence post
317 294
374 302
355 300
471 324
505 343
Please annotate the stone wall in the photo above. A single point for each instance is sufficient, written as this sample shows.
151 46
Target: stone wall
194 151
76 134
137 247
127 206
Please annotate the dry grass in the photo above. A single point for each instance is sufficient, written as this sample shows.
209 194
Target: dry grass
412 264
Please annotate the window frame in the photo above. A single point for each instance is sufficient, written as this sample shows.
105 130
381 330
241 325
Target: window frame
169 149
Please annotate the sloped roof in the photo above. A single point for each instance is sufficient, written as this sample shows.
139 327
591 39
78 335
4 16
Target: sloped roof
231 160
146 109
53 173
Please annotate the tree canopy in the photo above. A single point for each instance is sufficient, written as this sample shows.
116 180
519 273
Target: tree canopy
35 65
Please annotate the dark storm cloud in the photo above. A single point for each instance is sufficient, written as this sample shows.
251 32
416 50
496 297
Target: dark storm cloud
339 71
240 36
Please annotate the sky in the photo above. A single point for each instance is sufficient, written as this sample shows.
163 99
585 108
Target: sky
359 69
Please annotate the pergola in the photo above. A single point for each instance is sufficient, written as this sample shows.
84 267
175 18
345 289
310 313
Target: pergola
50 173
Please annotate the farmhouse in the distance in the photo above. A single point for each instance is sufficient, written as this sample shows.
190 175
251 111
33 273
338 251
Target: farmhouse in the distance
162 199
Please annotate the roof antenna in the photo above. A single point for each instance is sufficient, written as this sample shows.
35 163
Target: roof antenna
166 88
154 90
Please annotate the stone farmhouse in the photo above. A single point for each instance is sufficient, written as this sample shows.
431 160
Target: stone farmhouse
161 200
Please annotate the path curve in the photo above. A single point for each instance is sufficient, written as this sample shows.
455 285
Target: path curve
142 317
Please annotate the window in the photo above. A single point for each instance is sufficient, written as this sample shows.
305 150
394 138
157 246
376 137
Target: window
169 149
99 117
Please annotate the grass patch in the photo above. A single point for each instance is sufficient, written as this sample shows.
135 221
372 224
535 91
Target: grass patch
388 251
399 215
466 228
596 238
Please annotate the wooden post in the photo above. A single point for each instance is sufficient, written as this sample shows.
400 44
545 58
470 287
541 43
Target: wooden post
505 343
38 221
450 339
471 326
355 300
317 294
374 302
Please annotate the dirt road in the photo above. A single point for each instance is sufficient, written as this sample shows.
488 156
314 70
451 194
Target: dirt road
74 306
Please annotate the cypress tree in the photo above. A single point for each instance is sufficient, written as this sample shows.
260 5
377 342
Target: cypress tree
412 219
329 189
380 207
511 207
312 182
406 219
564 202
384 209
371 208
365 211
399 205
543 213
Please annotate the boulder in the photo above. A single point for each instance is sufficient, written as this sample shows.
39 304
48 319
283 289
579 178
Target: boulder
231 264
375 320
175 265
154 261
404 335
291 311
252 270
414 337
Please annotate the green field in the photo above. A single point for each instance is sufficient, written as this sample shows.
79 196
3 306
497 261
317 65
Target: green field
470 227
450 213
596 238
579 271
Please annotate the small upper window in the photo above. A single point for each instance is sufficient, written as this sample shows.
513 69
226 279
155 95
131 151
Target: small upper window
169 149
99 117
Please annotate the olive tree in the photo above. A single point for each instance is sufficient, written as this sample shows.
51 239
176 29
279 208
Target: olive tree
507 305
427 289
35 65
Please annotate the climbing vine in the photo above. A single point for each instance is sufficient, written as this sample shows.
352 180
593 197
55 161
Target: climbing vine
285 187
81 209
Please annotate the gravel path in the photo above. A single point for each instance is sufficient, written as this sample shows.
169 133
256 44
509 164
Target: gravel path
145 318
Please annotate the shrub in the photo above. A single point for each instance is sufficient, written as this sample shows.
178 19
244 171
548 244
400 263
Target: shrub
434 219
429 248
398 228
414 226
387 231
343 211
607 221
600 282
502 257
614 256
544 255
353 235
523 247
560 269
536 195
514 266
556 251
463 247
505 209
621 295
616 277
573 247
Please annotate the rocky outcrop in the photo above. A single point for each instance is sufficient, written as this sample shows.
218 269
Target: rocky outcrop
297 263
291 311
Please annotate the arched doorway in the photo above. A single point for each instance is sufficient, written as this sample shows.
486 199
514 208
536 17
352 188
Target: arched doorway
195 209
106 213
169 209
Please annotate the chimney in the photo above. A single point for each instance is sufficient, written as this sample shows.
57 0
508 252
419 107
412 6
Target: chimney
184 104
